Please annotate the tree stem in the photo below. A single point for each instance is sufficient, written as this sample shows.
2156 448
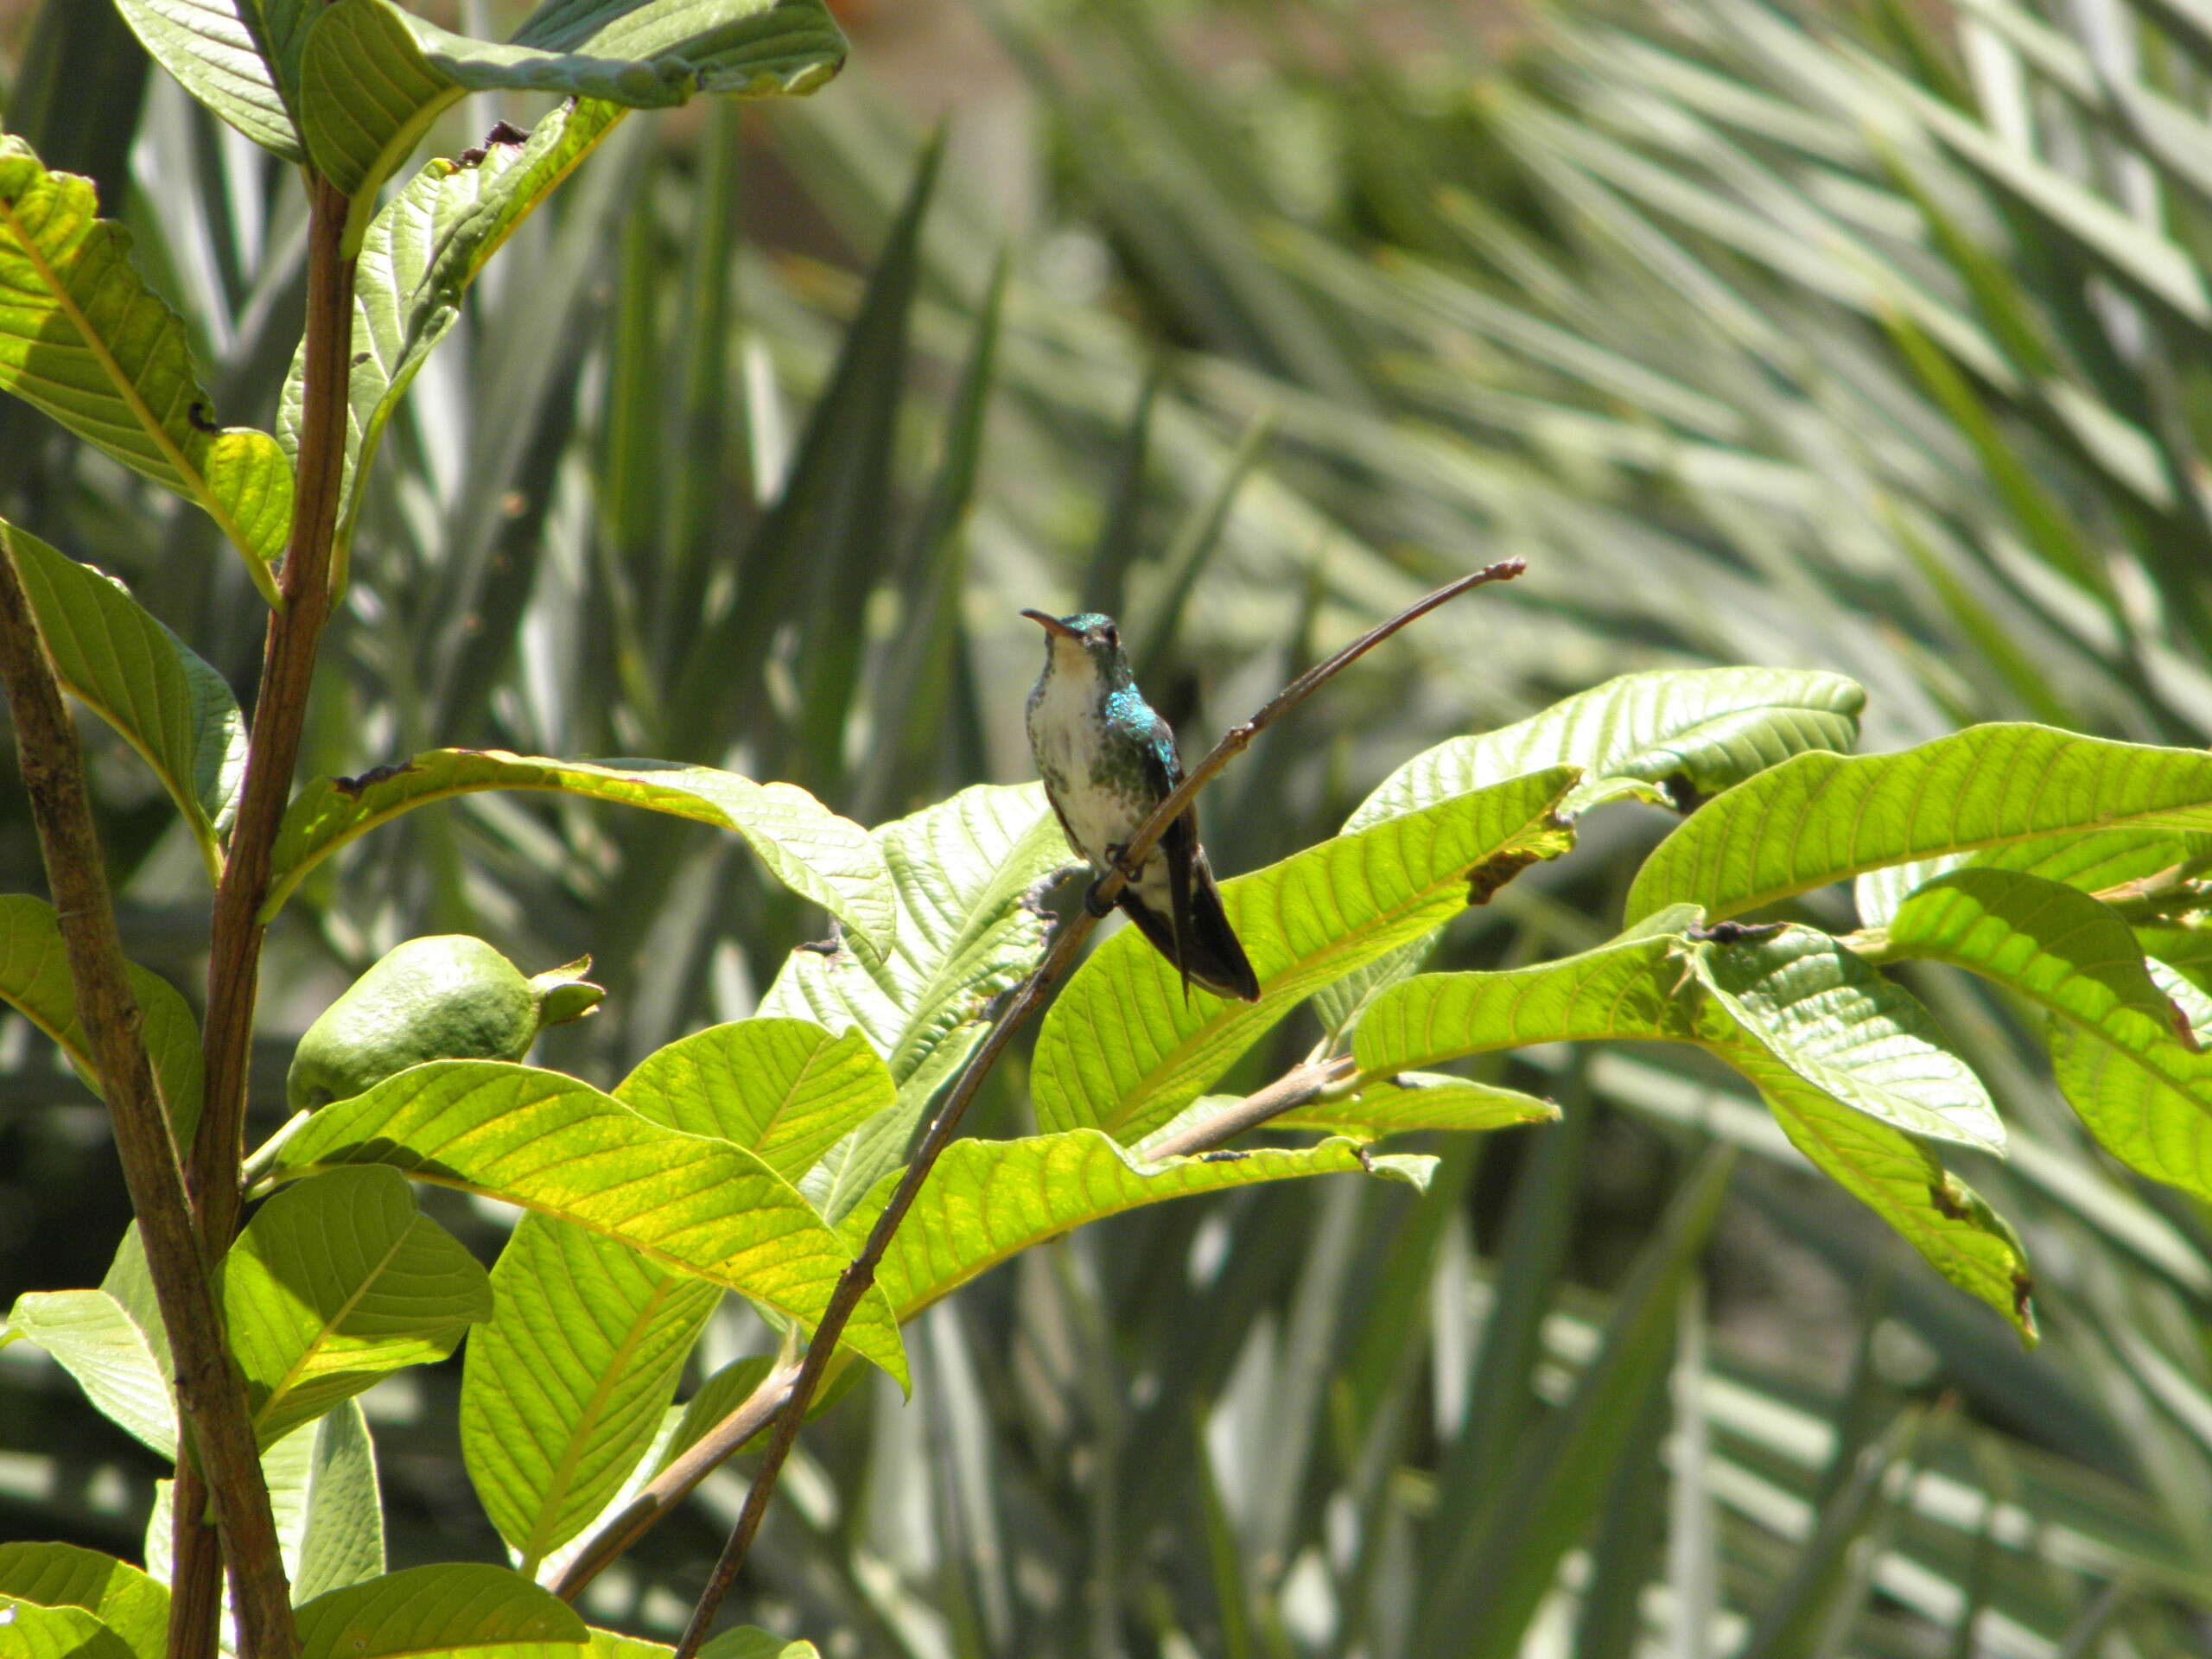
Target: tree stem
209 1390
853 1282
280 711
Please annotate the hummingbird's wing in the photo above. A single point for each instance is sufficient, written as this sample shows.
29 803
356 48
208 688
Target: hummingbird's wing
1179 846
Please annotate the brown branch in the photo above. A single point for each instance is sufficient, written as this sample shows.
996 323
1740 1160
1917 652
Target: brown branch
1299 1086
279 712
853 1282
209 1391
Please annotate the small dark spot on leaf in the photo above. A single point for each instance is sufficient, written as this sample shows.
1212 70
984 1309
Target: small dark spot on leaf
1734 932
472 156
505 132
829 947
352 788
358 359
1946 1204
202 417
2024 1291
1222 1157
1686 795
1486 878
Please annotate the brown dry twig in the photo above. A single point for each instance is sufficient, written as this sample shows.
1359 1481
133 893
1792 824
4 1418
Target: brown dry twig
853 1282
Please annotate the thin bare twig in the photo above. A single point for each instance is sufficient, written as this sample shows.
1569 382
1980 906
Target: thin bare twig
853 1282
208 1390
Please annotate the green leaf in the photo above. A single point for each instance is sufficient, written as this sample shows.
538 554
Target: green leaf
2143 1088
1842 1057
1694 731
36 1632
784 1088
336 1283
1821 818
83 339
1123 1051
818 855
989 1200
750 1642
563 1391
962 872
218 50
422 251
454 1607
130 670
62 1575
35 981
1420 1100
373 77
551 1144
92 1337
323 1490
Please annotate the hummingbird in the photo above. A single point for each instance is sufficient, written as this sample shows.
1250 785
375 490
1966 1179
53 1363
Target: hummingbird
1107 760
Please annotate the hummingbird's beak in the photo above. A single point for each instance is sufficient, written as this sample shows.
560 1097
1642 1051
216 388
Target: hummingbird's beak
1052 625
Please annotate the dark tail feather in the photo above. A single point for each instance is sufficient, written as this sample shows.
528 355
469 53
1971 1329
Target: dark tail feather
1214 959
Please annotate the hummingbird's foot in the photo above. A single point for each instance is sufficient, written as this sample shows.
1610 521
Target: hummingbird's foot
1101 909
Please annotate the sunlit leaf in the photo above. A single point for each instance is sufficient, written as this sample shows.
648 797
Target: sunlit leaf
818 855
563 1391
1123 1050
967 932
1691 731
335 1283
559 1146
211 46
1824 818
121 1597
84 339
96 1342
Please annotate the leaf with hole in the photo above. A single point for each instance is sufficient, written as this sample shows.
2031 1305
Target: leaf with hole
336 1283
820 857
1123 1050
551 1144
85 340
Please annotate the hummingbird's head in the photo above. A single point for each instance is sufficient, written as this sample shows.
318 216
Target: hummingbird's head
1087 638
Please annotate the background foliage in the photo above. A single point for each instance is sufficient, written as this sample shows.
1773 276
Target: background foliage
1864 341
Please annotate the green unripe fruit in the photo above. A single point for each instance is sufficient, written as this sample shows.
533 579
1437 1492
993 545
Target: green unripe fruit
449 997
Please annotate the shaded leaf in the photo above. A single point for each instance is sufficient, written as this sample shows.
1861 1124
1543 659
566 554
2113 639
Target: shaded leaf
31 1631
559 1146
454 1607
373 77
1124 1051
1824 818
129 669
335 1283
818 855
85 340
422 251
1420 1100
35 981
